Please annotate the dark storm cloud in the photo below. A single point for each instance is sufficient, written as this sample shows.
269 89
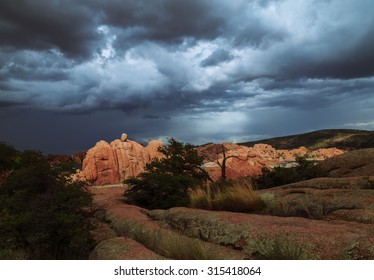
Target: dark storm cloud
42 25
353 62
6 104
163 21
343 52
27 66
154 117
216 57
200 70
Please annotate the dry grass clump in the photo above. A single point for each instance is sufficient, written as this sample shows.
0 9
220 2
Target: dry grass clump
173 245
166 243
282 247
10 254
234 196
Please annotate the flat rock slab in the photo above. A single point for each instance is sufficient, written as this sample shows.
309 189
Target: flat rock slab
361 182
358 204
220 232
351 164
101 231
122 248
349 199
324 239
134 222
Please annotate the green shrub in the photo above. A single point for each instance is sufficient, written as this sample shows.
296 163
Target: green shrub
166 243
154 190
8 155
279 176
41 213
282 247
166 181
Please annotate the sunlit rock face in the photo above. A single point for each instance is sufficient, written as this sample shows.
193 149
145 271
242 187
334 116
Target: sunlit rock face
112 163
249 161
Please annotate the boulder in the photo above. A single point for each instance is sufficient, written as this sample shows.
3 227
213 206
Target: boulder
124 137
152 148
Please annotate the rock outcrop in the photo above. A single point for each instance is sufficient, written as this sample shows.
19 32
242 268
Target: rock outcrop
351 164
249 161
251 233
100 165
133 222
122 248
347 199
111 163
339 225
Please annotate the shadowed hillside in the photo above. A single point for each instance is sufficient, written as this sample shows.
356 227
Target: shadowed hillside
346 139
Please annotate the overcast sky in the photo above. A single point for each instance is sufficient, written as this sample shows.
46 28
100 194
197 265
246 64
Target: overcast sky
73 72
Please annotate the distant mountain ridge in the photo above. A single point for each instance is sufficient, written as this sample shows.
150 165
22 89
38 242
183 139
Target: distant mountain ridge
345 139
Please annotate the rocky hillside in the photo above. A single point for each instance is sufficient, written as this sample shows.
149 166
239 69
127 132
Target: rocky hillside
345 139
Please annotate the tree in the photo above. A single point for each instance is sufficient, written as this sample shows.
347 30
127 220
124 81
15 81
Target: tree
8 155
42 212
223 164
166 181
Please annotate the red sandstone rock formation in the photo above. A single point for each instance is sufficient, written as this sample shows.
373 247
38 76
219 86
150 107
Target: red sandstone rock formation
100 165
152 148
249 161
112 163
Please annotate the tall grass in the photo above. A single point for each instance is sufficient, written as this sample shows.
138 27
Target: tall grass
282 247
10 254
164 242
173 245
234 196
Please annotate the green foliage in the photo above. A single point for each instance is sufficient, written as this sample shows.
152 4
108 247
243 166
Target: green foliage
279 176
66 168
165 242
282 247
7 156
370 184
166 181
41 212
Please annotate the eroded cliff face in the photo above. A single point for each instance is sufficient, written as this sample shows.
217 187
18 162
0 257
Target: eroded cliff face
100 165
112 163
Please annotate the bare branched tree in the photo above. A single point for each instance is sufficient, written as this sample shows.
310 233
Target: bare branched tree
223 164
